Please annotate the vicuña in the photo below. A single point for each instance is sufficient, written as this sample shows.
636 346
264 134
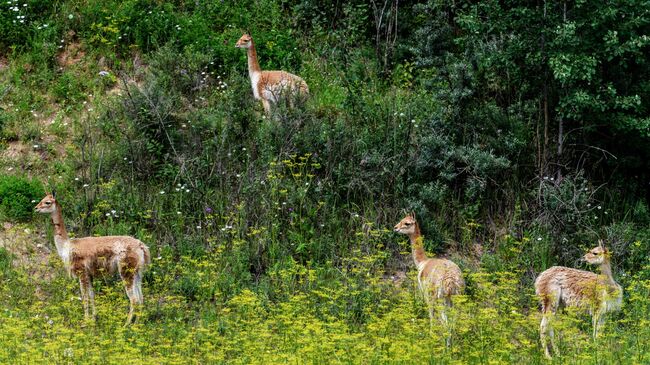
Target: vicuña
89 257
270 86
563 286
438 279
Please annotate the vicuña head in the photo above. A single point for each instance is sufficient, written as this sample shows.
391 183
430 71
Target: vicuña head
407 225
563 286
597 255
46 205
86 258
246 41
271 86
438 279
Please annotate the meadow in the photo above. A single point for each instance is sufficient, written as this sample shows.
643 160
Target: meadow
518 133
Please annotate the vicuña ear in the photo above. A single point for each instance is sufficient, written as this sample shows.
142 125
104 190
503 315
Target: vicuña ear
600 243
413 214
53 193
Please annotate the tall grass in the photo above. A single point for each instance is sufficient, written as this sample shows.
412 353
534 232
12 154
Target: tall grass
270 235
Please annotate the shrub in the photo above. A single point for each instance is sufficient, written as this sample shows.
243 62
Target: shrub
3 121
5 260
17 195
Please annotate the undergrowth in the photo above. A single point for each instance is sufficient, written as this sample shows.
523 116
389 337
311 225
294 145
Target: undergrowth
271 234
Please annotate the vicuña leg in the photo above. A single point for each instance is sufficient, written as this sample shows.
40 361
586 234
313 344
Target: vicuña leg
543 329
267 106
447 304
84 284
91 298
597 322
138 287
129 274
133 300
137 290
551 334
430 302
443 315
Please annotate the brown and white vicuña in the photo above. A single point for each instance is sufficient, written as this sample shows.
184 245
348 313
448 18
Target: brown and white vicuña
438 279
88 257
271 86
566 287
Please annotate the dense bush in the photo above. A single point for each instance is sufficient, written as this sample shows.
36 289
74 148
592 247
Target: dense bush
517 132
18 196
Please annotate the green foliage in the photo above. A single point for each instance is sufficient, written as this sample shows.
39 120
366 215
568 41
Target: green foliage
6 259
517 132
22 21
3 122
69 89
18 196
489 325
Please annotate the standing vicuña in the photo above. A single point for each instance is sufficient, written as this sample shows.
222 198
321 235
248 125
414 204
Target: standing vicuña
270 86
563 286
438 279
89 257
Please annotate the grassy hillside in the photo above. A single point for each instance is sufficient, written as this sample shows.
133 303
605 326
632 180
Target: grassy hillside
519 134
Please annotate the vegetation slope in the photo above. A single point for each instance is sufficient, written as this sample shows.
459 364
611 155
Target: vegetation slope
518 133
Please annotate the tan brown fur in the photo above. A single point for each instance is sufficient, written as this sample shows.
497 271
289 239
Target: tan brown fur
270 86
561 286
438 279
90 257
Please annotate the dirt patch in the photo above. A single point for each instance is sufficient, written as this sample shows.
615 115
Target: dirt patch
46 148
30 250
71 55
20 151
4 63
20 156
122 86
15 150
117 89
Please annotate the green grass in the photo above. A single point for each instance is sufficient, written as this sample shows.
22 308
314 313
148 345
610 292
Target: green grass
314 325
271 236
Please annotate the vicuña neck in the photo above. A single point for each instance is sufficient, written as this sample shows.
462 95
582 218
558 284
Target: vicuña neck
61 240
417 245
59 227
253 65
606 270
